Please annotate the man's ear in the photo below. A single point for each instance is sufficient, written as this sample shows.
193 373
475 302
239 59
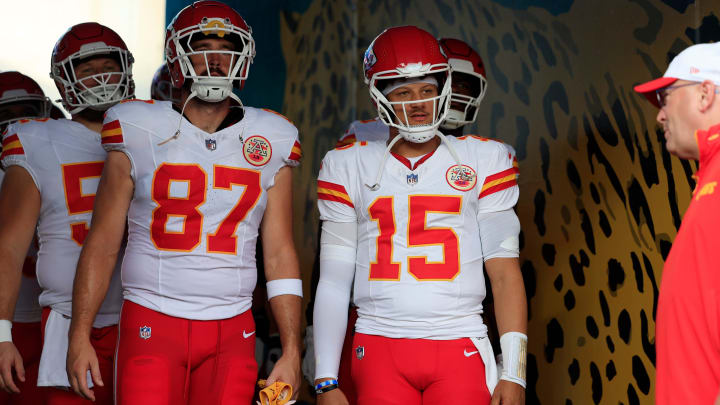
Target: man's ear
709 92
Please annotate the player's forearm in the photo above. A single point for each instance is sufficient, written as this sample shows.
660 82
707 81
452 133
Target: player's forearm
286 310
92 280
19 211
509 295
10 274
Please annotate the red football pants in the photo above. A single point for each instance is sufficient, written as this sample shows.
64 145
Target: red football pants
103 341
162 359
27 337
417 372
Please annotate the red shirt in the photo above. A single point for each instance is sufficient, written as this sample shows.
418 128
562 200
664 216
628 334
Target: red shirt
688 319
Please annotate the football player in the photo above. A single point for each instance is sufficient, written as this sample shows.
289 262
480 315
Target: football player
51 177
414 220
20 347
468 90
198 184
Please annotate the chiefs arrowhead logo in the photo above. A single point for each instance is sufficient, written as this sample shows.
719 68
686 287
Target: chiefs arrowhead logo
461 178
257 150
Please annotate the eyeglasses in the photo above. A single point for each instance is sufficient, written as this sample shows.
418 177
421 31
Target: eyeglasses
663 93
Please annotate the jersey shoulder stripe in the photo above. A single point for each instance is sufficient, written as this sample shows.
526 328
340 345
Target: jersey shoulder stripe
296 152
11 145
333 192
350 145
346 140
25 121
278 114
499 181
131 100
111 132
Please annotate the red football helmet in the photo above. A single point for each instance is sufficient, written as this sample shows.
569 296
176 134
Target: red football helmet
83 41
162 87
467 67
404 53
195 22
21 98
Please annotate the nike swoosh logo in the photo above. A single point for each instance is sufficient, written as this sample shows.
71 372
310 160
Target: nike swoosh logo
468 354
247 335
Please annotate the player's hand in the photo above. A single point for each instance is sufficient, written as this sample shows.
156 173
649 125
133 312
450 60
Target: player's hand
81 358
287 370
334 397
10 359
508 393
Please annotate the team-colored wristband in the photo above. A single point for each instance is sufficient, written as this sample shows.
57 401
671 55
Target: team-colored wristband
5 331
284 286
326 386
514 354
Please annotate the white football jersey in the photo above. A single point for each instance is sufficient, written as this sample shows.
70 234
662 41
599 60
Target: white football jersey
376 130
198 202
27 308
419 266
65 160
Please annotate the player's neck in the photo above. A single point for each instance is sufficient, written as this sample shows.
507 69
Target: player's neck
93 120
207 116
412 149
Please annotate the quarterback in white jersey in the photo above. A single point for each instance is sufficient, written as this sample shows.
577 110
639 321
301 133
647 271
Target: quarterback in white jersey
53 168
413 222
199 182
427 212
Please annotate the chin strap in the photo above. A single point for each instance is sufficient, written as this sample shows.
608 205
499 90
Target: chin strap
375 186
236 98
177 131
454 154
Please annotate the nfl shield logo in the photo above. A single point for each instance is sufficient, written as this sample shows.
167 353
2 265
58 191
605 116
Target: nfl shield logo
210 144
360 352
412 179
145 332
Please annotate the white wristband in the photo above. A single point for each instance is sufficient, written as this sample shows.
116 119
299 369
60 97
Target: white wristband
514 355
282 286
5 331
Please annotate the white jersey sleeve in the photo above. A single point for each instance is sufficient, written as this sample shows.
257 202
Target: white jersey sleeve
198 202
334 201
499 190
13 153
